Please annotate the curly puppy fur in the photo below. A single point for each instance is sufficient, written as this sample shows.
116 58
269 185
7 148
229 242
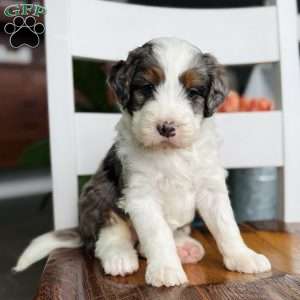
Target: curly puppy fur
163 167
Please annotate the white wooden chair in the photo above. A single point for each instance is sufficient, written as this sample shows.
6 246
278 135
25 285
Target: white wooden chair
108 30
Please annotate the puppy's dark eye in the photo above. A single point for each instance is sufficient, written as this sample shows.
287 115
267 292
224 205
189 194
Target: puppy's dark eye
147 89
196 92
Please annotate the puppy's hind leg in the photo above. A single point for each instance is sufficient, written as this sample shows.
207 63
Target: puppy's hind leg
189 250
115 248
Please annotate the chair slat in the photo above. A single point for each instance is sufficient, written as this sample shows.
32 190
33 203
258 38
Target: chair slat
108 30
249 139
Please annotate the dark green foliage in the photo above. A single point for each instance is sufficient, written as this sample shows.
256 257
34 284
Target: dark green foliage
36 155
82 180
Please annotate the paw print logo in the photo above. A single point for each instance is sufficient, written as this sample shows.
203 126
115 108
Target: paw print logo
24 31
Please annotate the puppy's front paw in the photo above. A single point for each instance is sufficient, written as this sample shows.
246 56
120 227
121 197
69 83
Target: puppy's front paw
161 274
247 262
120 261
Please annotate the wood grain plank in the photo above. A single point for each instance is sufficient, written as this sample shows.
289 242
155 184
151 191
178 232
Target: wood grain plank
70 274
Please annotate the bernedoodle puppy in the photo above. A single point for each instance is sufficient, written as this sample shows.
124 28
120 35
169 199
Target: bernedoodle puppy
163 168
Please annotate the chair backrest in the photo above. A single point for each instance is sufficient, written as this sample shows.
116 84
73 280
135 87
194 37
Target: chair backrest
108 30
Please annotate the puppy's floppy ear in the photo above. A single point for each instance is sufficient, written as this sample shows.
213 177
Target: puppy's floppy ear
218 88
118 81
122 73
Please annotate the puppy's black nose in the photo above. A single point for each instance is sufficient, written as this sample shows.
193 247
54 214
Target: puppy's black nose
166 129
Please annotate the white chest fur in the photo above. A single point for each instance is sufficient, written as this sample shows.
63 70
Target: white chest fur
174 176
175 181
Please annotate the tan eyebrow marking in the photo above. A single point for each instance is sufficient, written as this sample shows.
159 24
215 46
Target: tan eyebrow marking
191 78
154 74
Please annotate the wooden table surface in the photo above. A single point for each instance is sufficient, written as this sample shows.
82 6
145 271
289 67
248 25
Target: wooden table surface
70 275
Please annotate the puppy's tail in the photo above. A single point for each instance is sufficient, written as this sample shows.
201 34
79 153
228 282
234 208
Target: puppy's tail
41 246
